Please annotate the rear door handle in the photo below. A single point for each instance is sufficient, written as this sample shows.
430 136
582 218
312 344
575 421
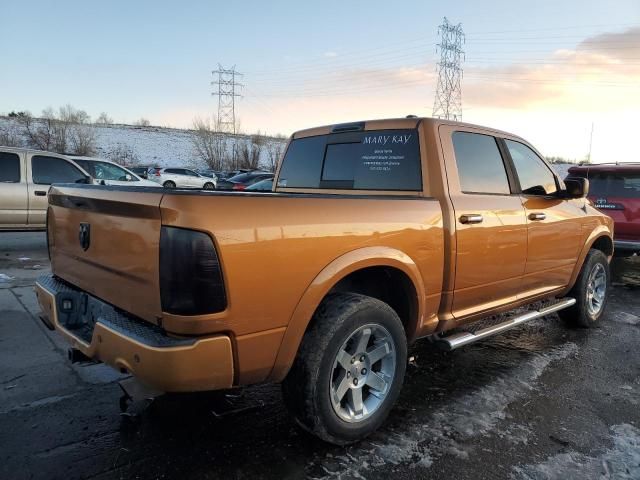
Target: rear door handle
537 216
40 193
472 218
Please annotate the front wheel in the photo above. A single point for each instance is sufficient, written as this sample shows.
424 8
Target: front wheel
590 291
349 369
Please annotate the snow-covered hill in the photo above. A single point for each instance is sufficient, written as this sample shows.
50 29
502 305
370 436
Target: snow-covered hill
149 145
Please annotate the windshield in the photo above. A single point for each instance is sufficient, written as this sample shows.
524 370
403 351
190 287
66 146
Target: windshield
105 170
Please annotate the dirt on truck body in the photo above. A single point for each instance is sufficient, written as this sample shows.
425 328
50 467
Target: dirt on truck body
376 234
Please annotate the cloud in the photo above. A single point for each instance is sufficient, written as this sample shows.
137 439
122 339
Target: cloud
329 54
601 74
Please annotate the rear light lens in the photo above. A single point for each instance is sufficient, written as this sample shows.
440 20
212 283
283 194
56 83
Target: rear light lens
239 186
50 238
190 275
157 172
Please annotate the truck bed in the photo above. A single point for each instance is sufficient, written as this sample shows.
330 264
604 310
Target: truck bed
271 246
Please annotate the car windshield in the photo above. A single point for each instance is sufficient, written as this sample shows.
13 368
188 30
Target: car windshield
104 170
624 185
262 185
243 177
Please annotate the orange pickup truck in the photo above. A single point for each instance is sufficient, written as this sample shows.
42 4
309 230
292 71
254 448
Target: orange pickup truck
376 234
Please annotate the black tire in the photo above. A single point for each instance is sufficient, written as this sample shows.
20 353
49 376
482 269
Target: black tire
307 387
209 186
580 315
169 184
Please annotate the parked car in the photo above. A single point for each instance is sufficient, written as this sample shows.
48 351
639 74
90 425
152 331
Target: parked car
141 170
243 180
25 177
105 172
377 234
209 173
181 178
261 186
615 190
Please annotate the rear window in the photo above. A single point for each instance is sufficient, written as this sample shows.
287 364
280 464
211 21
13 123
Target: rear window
624 185
9 168
371 160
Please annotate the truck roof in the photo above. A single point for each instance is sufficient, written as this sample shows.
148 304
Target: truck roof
628 167
31 150
388 124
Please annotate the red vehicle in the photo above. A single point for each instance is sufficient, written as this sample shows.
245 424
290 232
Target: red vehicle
615 190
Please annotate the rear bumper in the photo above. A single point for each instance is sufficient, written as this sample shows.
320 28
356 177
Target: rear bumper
99 331
626 245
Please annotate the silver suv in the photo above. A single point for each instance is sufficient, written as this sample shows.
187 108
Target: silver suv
181 178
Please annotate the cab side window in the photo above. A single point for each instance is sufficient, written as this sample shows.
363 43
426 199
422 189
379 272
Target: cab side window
535 177
480 165
47 170
9 168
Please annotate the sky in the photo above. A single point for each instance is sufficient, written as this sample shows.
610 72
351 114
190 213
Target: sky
548 71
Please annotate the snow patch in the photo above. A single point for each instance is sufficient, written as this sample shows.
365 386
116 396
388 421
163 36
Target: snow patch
620 462
448 429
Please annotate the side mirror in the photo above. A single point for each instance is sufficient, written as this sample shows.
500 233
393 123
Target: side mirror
87 180
577 187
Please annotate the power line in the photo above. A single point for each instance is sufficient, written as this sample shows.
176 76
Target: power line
227 94
448 100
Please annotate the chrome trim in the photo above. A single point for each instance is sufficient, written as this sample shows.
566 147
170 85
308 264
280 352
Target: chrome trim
461 339
472 218
537 216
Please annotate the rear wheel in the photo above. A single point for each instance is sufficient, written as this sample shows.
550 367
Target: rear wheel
349 369
590 291
209 186
169 184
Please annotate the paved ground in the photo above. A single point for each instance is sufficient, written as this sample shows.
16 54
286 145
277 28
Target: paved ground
539 402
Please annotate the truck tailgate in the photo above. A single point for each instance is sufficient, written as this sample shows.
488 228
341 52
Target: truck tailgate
106 241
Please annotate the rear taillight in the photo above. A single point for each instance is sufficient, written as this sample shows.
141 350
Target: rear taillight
239 186
50 239
157 172
190 275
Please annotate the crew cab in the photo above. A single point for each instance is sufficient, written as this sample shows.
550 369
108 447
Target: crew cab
614 188
25 177
376 234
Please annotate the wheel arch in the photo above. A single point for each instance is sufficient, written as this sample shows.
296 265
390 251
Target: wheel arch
600 239
336 276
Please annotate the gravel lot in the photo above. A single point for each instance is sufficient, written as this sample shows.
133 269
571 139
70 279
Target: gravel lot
540 402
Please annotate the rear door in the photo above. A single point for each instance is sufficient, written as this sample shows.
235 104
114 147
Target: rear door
13 190
490 229
554 224
43 171
193 178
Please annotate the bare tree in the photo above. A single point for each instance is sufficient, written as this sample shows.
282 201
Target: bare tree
68 131
82 139
251 150
39 133
209 144
142 122
123 155
275 149
9 137
104 119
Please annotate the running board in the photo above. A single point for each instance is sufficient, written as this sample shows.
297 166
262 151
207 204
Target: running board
461 339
